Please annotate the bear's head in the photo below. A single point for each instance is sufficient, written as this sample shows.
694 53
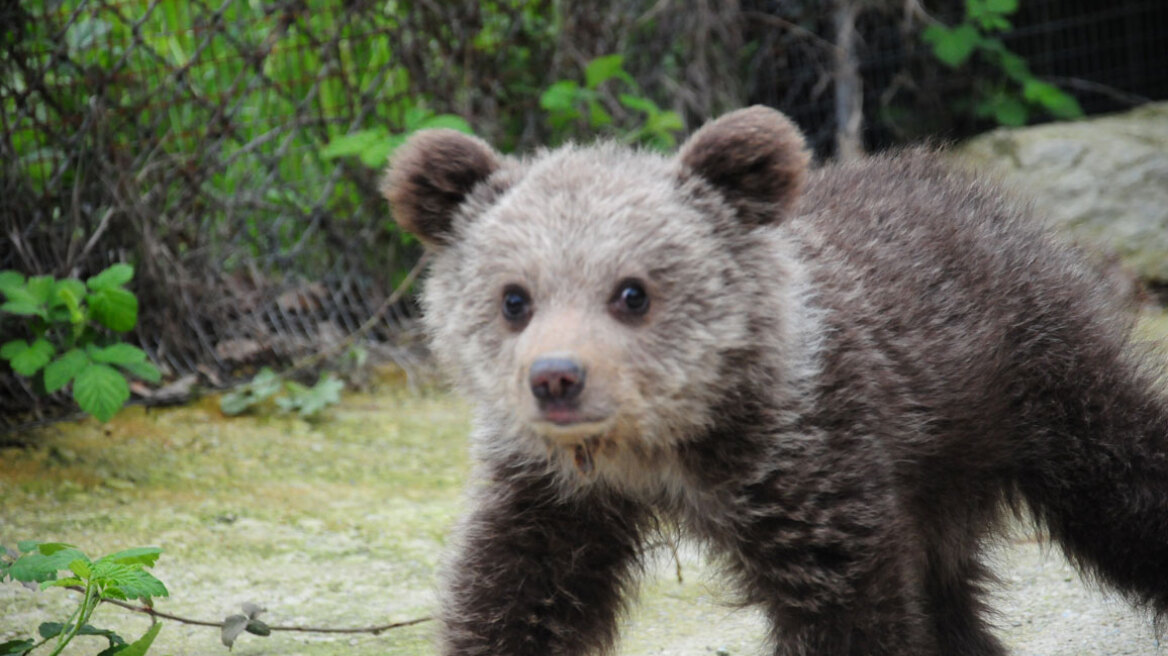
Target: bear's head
599 302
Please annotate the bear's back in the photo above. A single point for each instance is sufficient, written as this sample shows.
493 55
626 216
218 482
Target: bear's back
943 298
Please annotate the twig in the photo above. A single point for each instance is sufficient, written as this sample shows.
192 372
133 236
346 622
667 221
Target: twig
146 610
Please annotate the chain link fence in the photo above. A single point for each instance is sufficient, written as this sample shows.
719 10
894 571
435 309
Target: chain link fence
189 137
186 138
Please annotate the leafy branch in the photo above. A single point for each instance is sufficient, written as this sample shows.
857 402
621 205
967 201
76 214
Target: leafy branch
1008 102
567 103
373 146
118 576
115 579
74 329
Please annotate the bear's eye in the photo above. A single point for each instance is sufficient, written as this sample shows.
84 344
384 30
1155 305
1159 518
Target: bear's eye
516 304
631 300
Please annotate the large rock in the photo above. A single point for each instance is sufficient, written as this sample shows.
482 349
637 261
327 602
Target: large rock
1104 179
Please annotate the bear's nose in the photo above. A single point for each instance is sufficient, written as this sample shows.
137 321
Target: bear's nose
556 379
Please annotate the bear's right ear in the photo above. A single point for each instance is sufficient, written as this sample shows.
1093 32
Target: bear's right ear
755 157
431 175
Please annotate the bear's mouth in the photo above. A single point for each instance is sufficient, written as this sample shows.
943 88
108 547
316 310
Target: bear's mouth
572 425
567 426
567 417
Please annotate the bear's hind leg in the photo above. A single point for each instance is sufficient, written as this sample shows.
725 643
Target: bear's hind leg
953 599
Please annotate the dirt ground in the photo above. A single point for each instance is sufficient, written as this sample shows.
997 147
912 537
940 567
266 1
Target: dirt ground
341 523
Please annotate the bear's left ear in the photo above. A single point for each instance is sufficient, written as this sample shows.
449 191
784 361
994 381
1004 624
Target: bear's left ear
431 175
755 157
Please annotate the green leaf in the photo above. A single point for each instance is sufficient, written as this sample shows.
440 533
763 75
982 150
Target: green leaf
953 46
114 307
448 121
602 69
62 583
28 360
234 403
265 385
117 354
990 14
26 546
144 371
1064 106
12 349
144 556
73 286
50 548
666 122
39 567
112 278
353 143
16 647
310 400
1011 112
597 116
10 280
100 390
21 301
64 369
1052 98
1014 66
996 24
377 154
54 629
414 116
127 582
638 103
81 568
256 627
141 645
41 288
326 392
560 97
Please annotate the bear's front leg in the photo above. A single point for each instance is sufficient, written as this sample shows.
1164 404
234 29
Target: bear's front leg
821 545
539 574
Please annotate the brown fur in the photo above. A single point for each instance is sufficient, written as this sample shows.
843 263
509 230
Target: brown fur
839 393
432 176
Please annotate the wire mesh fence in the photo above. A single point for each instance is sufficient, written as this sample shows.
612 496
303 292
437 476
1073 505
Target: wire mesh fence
189 138
186 137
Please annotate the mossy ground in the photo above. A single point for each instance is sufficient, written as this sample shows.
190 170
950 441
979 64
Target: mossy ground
341 522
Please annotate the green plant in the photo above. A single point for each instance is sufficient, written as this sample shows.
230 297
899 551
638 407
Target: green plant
567 104
373 146
74 329
1008 101
288 394
121 575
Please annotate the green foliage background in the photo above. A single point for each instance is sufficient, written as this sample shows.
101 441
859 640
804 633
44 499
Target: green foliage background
232 151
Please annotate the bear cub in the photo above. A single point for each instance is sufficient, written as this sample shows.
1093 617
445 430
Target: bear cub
840 381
